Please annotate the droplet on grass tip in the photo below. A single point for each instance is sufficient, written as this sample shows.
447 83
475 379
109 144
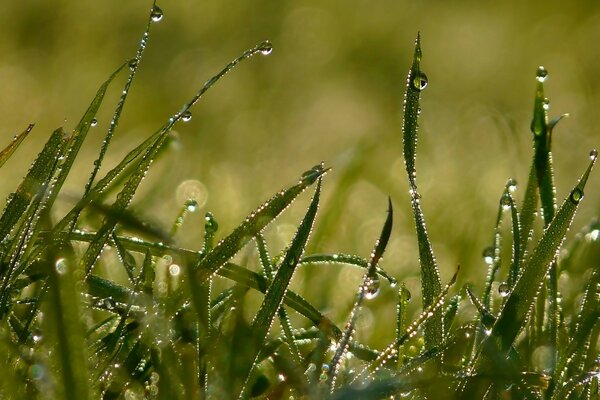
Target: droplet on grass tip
541 74
372 285
186 116
419 81
191 205
503 289
93 122
157 14
505 201
593 155
266 48
511 185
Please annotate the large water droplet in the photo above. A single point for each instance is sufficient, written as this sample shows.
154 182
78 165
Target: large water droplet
157 14
371 287
487 320
503 289
186 116
406 293
593 155
546 104
174 270
511 185
93 122
266 48
576 195
541 74
61 266
419 81
191 205
505 201
210 223
488 255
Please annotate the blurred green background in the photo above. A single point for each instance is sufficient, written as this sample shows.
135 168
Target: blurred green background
331 90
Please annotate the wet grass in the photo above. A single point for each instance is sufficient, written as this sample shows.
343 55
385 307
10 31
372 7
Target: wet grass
100 302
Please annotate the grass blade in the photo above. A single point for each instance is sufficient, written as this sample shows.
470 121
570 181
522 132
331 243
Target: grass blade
10 149
261 325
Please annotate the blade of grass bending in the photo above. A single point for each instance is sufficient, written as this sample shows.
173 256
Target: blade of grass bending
430 277
254 223
262 322
10 149
132 184
513 314
369 287
346 259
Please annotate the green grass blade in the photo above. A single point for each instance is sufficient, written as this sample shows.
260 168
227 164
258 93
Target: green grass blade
10 149
261 325
514 312
368 289
345 259
430 277
252 225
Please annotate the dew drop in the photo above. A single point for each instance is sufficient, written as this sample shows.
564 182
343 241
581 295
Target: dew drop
109 303
593 235
157 14
406 293
593 155
541 74
487 321
371 287
503 289
488 255
93 122
133 64
266 48
186 116
546 104
210 223
576 195
505 201
420 81
191 205
61 266
174 270
511 185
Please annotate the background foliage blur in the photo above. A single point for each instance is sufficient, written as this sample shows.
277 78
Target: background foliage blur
331 90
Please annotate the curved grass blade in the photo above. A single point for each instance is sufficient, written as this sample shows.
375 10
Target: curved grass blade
369 288
346 259
132 184
261 325
513 314
430 277
10 149
252 225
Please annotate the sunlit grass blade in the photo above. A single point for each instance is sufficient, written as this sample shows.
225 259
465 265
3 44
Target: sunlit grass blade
513 314
262 322
252 225
10 149
346 259
401 317
430 276
368 289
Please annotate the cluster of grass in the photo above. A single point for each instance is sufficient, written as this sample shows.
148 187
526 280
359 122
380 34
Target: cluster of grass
168 322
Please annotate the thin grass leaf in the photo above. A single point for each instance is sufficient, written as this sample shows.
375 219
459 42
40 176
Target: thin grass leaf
346 259
512 316
10 149
368 289
430 276
252 225
262 322
401 317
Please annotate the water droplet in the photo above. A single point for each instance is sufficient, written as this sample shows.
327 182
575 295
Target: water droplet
371 287
157 14
593 235
546 104
109 303
576 195
36 371
61 266
266 48
133 64
593 155
93 122
541 74
174 270
505 201
191 205
210 223
406 293
419 81
488 255
511 185
281 377
503 289
487 320
186 116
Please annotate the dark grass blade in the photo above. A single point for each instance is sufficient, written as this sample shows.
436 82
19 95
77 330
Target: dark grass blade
368 287
430 277
262 322
252 225
10 149
513 314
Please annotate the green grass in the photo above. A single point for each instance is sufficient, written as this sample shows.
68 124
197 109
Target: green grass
101 302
